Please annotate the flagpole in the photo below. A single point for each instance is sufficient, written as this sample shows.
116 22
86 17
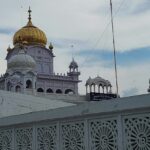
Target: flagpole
114 47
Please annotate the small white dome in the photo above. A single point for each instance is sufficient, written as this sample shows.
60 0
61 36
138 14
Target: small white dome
73 64
15 76
21 61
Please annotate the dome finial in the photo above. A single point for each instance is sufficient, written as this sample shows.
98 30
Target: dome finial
29 11
29 18
51 46
8 49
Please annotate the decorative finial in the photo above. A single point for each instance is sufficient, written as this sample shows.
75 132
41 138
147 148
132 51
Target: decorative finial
29 11
8 49
51 46
29 18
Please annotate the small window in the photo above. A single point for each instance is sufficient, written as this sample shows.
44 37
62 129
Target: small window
28 84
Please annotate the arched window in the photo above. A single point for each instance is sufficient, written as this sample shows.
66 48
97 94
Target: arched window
18 88
40 90
28 84
69 91
58 91
49 91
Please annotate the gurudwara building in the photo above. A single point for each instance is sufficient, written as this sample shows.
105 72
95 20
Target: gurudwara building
30 65
63 120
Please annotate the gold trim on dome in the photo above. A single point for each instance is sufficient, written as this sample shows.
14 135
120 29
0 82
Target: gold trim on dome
30 34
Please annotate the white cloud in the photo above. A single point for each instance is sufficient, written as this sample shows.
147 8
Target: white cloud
129 77
129 92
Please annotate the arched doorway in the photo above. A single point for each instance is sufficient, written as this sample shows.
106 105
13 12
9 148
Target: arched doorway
69 91
40 90
28 84
18 88
58 91
49 90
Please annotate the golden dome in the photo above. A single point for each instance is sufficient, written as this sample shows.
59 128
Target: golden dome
30 34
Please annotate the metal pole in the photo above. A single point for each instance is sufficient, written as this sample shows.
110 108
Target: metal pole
115 63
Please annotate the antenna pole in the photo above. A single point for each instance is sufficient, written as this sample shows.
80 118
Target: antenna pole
115 63
72 48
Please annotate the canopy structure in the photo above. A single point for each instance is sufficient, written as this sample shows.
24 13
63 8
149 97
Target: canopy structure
98 84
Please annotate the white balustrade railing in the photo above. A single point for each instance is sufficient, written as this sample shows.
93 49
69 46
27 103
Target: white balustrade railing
122 124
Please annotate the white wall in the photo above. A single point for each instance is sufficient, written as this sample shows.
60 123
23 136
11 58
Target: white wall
122 124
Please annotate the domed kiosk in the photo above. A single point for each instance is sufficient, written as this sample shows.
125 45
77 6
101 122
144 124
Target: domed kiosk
21 61
99 89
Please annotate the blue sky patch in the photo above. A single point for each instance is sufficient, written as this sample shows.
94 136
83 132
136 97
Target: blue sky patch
123 58
7 30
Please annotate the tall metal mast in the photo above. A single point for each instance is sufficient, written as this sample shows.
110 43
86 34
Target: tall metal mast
115 63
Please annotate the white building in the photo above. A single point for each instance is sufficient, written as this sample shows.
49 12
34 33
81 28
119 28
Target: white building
30 65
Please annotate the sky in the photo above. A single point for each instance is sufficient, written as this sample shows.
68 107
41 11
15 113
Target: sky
86 25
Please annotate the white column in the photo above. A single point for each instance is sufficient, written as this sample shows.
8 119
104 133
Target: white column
86 89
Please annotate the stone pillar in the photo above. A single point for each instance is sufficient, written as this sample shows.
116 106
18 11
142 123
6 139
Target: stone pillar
86 89
110 89
90 88
98 89
94 88
107 89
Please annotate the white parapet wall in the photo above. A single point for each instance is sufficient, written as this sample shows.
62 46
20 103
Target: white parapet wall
119 124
